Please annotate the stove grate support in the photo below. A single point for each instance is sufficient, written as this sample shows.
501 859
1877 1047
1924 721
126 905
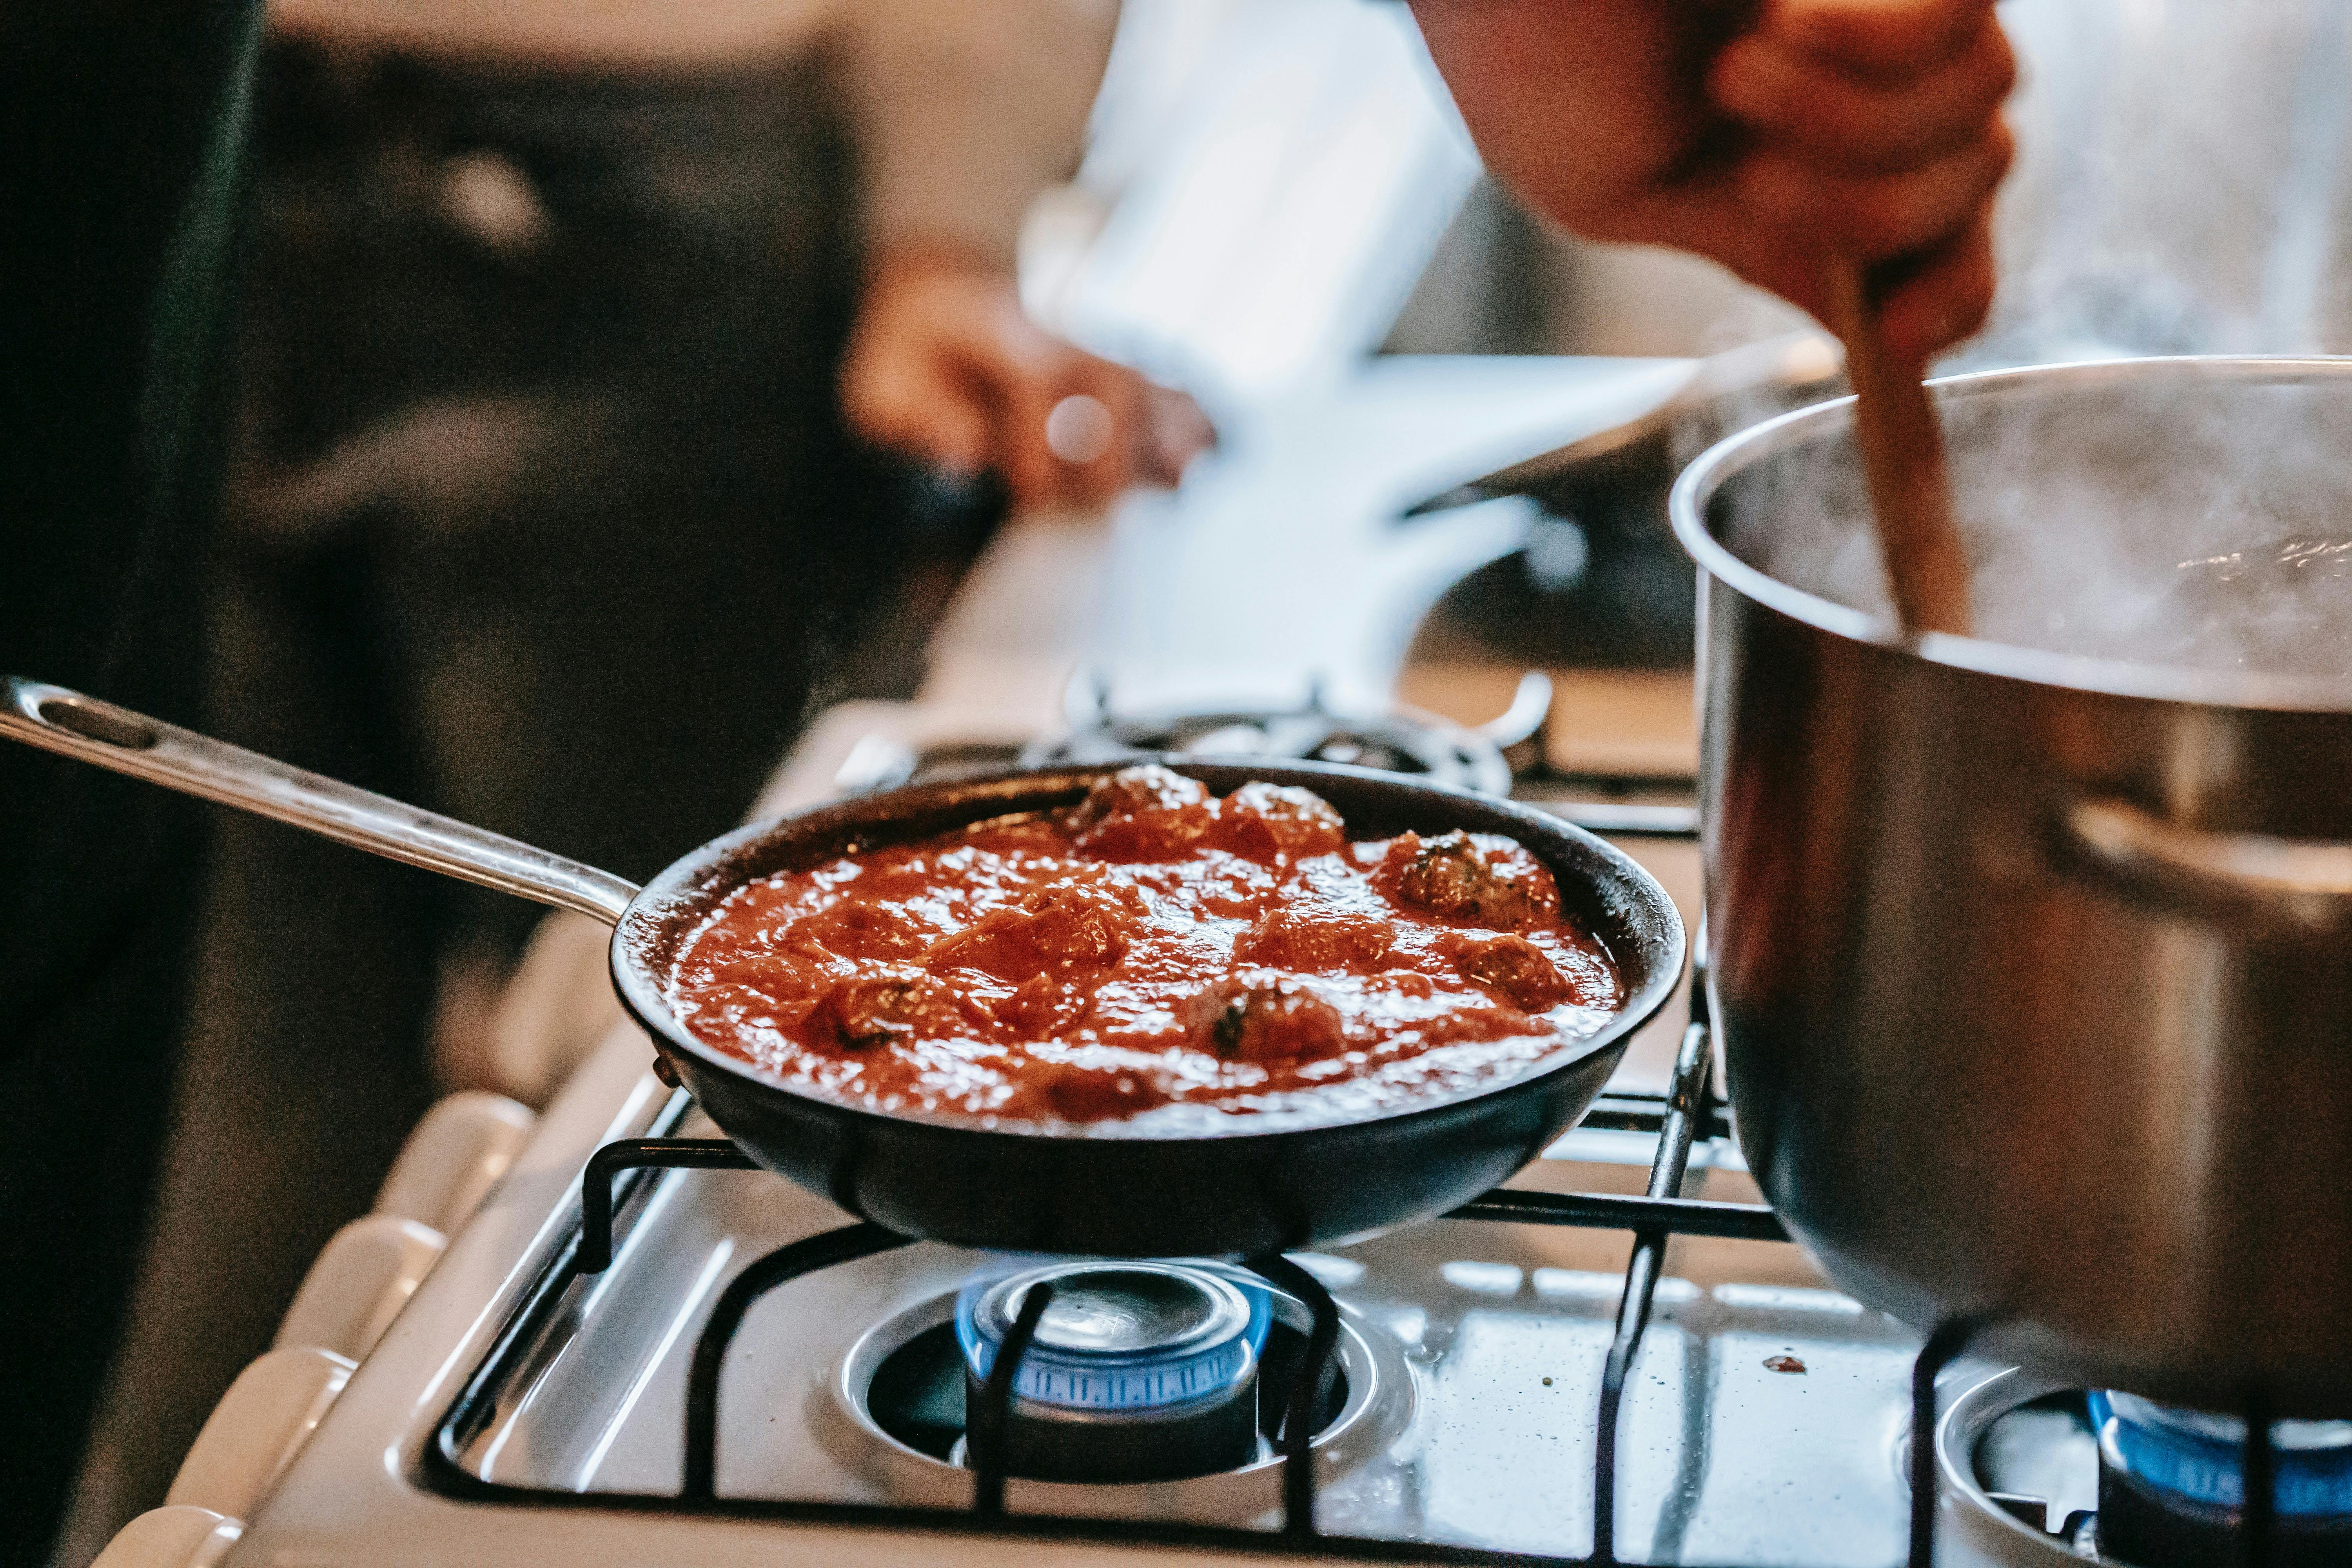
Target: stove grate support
781 1266
1307 1389
1687 1113
1952 1339
2259 1503
612 1179
988 1424
1686 1110
623 1156
1944 1346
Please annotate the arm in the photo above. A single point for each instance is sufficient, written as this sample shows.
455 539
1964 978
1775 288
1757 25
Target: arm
966 110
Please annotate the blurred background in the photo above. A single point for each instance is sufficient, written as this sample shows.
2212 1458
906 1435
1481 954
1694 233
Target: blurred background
544 507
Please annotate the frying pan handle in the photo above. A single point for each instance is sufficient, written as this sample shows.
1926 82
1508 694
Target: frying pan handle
73 725
2303 882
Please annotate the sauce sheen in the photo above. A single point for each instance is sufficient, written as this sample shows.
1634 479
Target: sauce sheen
1154 957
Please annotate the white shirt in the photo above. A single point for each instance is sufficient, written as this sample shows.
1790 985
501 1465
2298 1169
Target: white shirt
963 109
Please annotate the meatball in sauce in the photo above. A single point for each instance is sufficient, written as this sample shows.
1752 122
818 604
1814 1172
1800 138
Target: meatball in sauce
1155 956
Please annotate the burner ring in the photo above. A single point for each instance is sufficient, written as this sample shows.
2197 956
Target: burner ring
1974 1530
1402 741
1971 1527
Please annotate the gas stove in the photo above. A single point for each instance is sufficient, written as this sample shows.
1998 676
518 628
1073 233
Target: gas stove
638 1346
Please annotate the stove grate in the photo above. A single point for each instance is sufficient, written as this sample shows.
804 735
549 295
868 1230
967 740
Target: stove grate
780 1268
1686 1110
618 1172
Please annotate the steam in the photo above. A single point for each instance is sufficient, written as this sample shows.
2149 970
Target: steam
2182 184
2166 515
2184 187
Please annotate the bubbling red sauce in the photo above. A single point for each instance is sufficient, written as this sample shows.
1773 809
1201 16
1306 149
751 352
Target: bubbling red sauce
1154 958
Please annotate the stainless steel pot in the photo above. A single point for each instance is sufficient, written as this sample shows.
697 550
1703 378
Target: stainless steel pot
2034 972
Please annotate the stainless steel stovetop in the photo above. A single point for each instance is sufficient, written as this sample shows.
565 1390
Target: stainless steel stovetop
1473 1359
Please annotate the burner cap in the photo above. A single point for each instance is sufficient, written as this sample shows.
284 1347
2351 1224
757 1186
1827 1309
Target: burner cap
1123 1311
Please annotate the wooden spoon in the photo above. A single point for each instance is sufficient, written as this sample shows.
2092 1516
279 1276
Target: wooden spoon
1903 459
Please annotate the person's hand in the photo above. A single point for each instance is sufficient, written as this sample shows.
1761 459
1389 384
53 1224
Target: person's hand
1768 136
944 364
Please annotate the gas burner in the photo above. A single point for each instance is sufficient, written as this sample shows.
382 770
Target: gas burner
1169 1374
2049 1475
1402 740
1139 1371
2172 1485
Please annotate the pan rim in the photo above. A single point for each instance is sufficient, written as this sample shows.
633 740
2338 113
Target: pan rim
652 913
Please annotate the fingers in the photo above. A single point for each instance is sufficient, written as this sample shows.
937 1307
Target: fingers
1078 431
1943 298
943 362
1874 216
1174 431
1823 110
1892 37
1101 451
1023 402
1068 431
1766 134
914 403
1929 299
1873 131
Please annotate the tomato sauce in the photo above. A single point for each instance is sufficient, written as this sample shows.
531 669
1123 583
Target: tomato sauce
1155 957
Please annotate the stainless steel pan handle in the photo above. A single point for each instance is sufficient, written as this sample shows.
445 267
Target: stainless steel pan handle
73 725
2307 882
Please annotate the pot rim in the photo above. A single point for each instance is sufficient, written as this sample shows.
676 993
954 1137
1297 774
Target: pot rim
1699 483
678 890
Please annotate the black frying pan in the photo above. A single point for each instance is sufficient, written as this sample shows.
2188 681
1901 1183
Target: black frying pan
1104 1190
